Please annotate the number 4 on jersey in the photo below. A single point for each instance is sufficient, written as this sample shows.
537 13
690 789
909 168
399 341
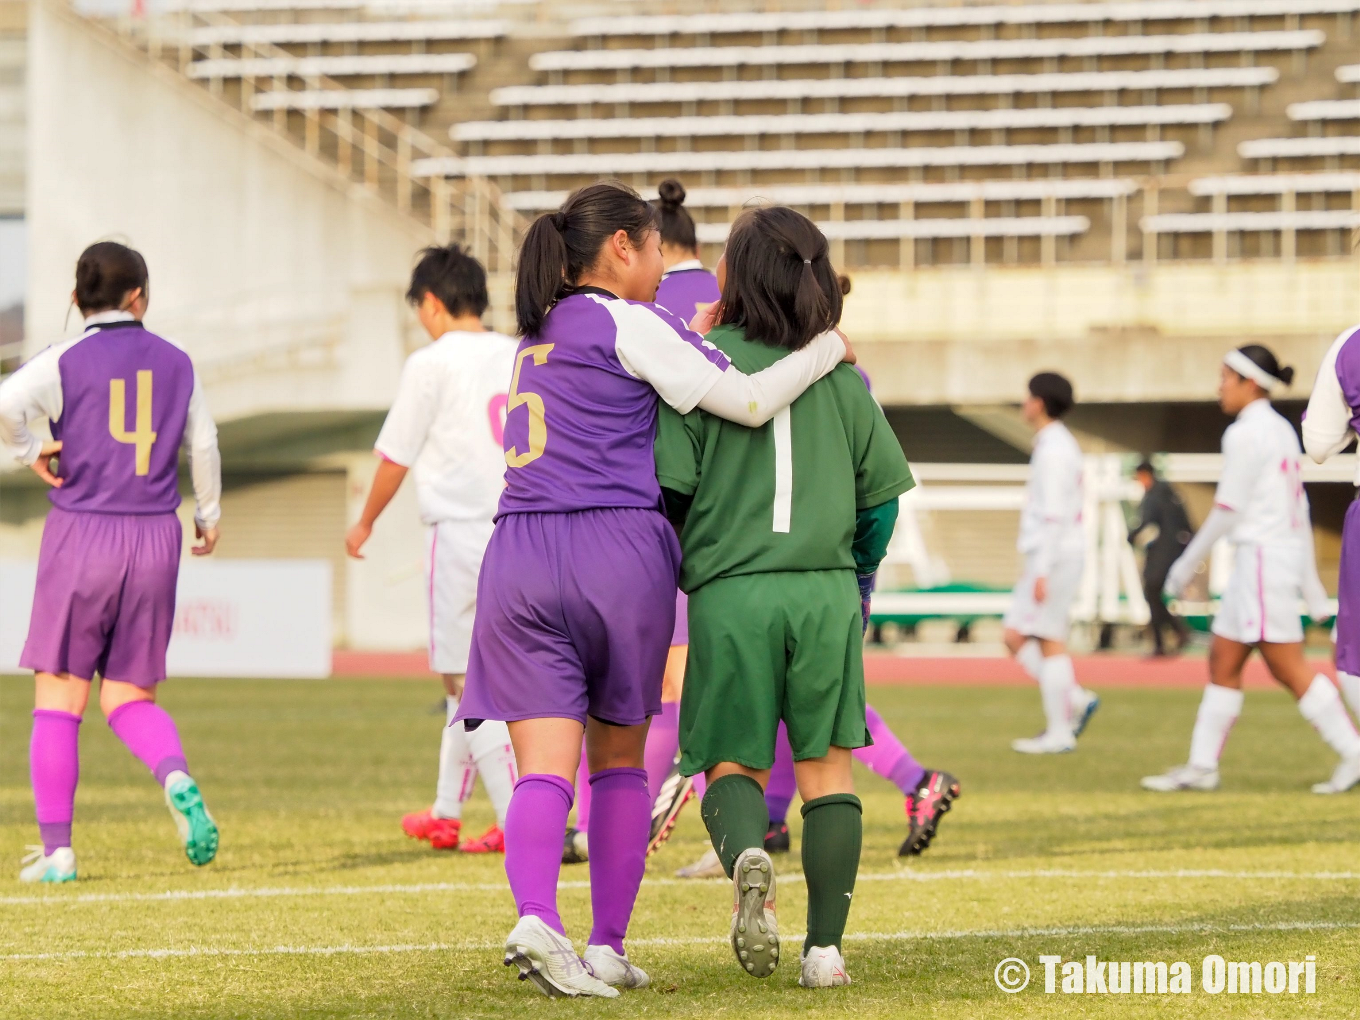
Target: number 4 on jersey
142 438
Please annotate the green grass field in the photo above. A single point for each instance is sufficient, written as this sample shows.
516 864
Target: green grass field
318 906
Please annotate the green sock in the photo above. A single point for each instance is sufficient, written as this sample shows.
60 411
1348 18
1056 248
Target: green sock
735 813
833 832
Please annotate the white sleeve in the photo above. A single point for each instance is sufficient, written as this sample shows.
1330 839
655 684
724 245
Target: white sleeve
1049 469
1327 422
408 423
1218 524
205 460
752 400
32 392
655 346
1242 463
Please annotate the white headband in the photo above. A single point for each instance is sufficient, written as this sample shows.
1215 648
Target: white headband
1248 369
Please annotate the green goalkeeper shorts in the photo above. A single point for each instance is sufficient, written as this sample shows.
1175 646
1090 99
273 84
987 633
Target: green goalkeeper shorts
765 647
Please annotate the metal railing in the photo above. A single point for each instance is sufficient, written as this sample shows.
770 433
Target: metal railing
370 148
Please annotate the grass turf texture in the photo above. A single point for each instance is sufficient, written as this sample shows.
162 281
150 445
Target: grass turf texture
334 913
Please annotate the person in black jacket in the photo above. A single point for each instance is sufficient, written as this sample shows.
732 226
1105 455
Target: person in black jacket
1161 508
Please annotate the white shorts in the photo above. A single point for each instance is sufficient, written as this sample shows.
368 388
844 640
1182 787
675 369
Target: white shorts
1052 618
1264 597
453 558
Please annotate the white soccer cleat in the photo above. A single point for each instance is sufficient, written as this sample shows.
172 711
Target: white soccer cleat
58 866
549 960
614 969
1347 774
755 932
823 968
707 866
1182 777
1045 743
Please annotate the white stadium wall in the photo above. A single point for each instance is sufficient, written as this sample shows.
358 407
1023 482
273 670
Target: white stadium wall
283 280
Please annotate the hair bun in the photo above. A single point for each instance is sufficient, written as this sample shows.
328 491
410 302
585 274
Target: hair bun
1287 375
672 193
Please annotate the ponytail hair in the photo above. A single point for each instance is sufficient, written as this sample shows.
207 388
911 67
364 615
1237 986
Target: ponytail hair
677 225
105 272
781 288
1264 359
559 247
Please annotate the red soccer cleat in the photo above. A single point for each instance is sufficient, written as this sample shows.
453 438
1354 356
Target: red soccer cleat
492 841
442 833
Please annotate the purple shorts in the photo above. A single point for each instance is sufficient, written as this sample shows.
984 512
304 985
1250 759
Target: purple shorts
105 599
574 617
1348 595
680 636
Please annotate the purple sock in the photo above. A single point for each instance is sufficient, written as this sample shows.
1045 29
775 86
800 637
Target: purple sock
583 794
783 784
663 739
533 845
54 766
618 852
888 757
150 734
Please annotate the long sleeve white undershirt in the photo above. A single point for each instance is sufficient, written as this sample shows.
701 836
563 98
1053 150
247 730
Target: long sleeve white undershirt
1327 422
34 392
1218 524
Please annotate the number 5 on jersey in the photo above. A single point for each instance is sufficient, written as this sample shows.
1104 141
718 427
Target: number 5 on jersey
538 428
141 438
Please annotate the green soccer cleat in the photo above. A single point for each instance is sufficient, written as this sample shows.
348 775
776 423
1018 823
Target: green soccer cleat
197 830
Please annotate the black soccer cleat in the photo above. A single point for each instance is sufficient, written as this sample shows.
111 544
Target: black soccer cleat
675 793
925 806
575 848
777 838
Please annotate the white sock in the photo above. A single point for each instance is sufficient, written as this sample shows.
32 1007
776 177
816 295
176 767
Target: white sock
1031 659
495 757
1321 705
1350 687
1218 710
1055 686
457 770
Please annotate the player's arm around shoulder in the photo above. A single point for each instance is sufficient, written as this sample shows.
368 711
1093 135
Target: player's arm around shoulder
679 456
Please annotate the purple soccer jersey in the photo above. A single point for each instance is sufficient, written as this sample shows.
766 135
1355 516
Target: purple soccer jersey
685 291
125 407
1348 581
581 417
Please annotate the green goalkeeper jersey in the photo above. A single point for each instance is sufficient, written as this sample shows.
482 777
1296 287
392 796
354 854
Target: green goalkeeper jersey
783 496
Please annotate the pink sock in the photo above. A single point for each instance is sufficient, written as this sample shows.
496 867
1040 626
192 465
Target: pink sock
663 740
533 845
888 757
700 785
618 852
783 784
54 767
150 734
583 793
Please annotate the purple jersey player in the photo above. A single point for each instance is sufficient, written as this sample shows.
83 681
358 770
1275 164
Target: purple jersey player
575 602
122 403
1328 428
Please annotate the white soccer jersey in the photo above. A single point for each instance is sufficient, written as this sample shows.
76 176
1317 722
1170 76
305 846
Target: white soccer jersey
1262 478
447 424
1050 522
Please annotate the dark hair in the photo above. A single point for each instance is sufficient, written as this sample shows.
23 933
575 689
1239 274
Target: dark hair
1145 468
677 225
780 286
105 272
560 246
453 276
1264 359
1055 391
843 281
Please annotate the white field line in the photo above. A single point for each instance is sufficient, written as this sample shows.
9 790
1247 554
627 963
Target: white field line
960 874
897 936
